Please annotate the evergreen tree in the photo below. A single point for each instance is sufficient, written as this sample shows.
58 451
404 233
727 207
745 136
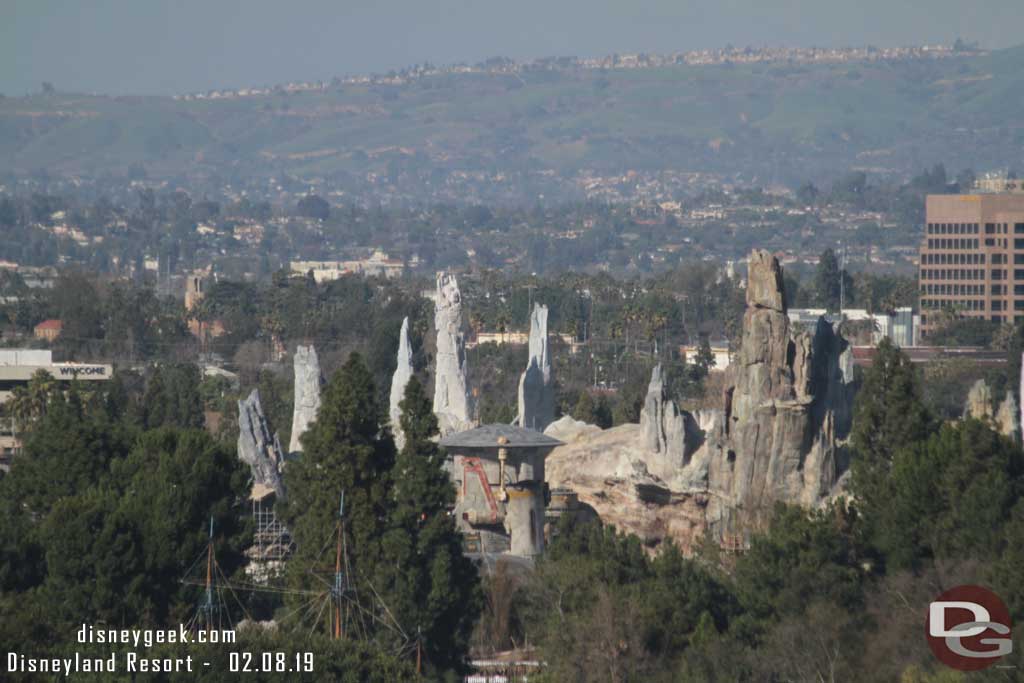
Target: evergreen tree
345 450
888 414
947 496
705 359
827 280
584 408
430 586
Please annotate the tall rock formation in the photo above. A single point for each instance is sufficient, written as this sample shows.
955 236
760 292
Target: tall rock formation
403 372
672 435
536 386
256 447
1008 417
453 402
308 383
780 436
979 401
788 406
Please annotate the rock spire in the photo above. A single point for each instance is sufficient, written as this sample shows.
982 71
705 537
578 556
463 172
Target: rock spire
536 385
308 382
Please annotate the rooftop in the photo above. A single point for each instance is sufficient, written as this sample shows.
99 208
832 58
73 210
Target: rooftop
487 437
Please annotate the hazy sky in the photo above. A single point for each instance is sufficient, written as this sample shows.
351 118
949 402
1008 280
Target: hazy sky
151 47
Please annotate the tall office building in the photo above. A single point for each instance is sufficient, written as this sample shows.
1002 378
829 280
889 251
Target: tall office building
972 257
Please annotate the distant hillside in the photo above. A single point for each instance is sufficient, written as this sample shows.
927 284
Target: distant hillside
763 122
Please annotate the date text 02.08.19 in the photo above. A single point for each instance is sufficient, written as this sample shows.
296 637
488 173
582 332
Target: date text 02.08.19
270 662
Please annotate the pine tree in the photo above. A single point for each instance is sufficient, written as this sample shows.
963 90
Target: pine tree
888 416
827 279
584 408
888 413
344 452
431 587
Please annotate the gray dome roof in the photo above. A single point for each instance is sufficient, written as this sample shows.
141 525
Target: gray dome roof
487 437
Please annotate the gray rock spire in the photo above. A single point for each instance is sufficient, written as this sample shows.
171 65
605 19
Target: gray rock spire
256 447
398 381
308 382
536 387
453 402
672 434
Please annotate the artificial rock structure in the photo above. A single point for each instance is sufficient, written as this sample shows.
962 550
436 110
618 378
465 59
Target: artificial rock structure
257 447
308 383
453 402
536 385
786 413
788 408
670 435
403 372
1005 419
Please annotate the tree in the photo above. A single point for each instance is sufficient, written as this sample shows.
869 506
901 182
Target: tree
705 359
343 453
947 496
584 408
314 206
827 280
888 414
426 581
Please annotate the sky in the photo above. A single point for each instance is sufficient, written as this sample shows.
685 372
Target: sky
155 47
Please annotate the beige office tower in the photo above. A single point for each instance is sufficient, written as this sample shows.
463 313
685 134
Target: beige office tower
972 258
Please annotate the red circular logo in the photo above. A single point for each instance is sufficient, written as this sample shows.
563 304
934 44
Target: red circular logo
968 628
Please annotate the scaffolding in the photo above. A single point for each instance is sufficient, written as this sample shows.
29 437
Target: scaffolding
271 542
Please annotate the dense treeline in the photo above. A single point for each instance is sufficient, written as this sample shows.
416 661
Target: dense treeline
108 508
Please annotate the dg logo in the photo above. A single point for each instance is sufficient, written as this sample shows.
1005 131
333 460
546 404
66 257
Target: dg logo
968 628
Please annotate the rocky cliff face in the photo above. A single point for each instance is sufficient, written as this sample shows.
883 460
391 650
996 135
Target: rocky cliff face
787 412
308 382
536 386
788 406
256 447
453 403
403 372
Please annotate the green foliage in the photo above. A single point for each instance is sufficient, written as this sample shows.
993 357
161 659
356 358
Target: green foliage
888 415
102 521
403 548
423 577
603 610
947 496
342 452
827 281
805 557
172 397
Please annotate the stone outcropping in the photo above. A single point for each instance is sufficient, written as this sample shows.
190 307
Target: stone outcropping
536 386
257 447
788 408
308 383
453 402
979 401
403 372
670 435
787 411
1005 419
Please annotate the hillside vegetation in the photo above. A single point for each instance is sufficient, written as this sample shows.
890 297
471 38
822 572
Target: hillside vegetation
772 122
